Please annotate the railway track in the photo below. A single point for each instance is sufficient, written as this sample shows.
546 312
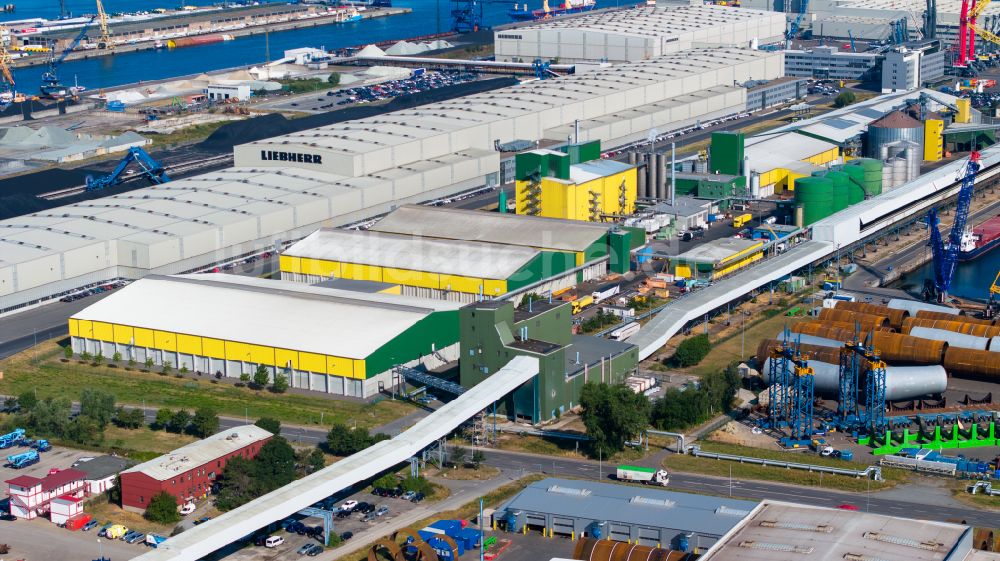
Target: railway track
178 169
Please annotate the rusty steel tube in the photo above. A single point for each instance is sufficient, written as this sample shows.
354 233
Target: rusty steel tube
895 348
589 549
927 314
816 352
974 329
971 362
895 316
866 320
825 329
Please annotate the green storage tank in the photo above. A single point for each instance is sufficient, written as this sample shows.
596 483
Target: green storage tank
872 177
841 189
856 192
815 194
727 153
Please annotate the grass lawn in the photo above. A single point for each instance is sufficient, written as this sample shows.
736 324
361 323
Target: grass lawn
187 135
721 468
558 447
104 512
984 502
466 473
50 377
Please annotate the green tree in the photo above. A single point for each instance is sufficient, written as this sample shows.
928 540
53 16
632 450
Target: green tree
163 417
333 79
129 418
418 484
316 460
167 366
342 440
131 362
245 377
117 357
458 455
280 384
99 357
85 430
844 99
98 405
386 481
178 422
683 407
261 376
184 369
85 356
68 351
149 363
162 509
269 424
26 401
478 458
691 351
49 417
115 491
613 415
237 485
205 422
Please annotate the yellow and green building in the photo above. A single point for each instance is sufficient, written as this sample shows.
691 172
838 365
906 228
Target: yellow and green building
717 258
328 340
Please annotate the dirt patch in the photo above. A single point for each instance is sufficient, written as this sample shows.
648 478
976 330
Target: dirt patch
742 435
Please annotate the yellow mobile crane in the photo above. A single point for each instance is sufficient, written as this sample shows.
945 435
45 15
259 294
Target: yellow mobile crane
105 41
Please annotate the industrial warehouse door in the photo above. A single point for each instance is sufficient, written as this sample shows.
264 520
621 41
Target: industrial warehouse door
217 365
619 532
535 522
563 526
648 536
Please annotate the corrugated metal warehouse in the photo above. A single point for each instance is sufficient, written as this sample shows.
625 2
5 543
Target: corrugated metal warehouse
588 243
573 508
323 339
636 34
463 271
285 188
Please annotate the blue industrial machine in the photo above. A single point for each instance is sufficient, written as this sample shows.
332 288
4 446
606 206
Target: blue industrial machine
42 445
12 438
946 254
791 393
793 28
23 460
151 169
51 87
467 16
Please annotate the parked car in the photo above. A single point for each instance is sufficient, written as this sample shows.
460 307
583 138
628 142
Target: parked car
315 550
7 517
274 541
344 536
139 537
408 496
348 506
187 509
259 539
365 508
127 535
202 520
304 549
89 526
382 511
417 498
370 517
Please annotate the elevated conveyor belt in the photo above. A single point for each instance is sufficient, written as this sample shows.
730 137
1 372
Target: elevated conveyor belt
202 540
675 315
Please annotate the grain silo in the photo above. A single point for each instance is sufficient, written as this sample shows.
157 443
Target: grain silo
890 129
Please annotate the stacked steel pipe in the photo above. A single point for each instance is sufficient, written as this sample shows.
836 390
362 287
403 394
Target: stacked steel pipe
970 362
866 321
956 325
895 316
589 549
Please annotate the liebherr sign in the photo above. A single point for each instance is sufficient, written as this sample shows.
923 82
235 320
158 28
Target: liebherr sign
272 155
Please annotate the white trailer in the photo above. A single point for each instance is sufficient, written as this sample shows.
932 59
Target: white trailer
650 476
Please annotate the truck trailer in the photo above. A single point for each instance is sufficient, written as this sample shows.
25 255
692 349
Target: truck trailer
650 476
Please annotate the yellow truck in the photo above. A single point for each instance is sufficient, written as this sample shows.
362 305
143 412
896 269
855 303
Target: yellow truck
742 220
581 304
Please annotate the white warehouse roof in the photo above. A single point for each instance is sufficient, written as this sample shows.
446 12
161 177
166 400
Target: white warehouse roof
767 152
637 33
271 313
507 229
416 253
200 452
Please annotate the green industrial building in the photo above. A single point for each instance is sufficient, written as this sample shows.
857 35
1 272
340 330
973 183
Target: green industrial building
494 332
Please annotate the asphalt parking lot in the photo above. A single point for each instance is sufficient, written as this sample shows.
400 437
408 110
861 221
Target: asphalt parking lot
58 458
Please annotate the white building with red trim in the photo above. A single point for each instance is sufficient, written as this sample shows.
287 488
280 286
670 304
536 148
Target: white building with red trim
30 497
62 509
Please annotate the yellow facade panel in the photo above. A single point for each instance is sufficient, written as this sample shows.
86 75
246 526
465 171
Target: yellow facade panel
284 357
320 267
494 287
104 331
215 348
164 340
409 277
740 255
188 344
359 370
312 362
123 334
237 351
461 284
738 265
339 366
357 271
933 140
86 328
261 354
74 327
144 337
823 157
289 264
682 271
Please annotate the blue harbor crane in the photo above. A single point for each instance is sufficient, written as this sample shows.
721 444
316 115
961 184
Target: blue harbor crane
51 87
467 16
946 254
150 168
793 28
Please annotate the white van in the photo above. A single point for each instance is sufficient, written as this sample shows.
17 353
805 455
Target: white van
274 541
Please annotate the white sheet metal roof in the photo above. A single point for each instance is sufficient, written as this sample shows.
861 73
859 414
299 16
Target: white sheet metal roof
648 21
272 313
199 541
200 452
589 171
768 152
417 253
508 229
715 251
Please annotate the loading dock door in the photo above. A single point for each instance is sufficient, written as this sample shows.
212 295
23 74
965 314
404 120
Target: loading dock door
563 526
619 532
648 536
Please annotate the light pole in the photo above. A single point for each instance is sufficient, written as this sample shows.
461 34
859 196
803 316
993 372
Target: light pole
100 547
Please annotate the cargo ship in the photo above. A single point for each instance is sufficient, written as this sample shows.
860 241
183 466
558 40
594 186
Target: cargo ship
567 7
980 239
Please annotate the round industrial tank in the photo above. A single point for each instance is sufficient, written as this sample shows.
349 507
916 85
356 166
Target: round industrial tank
822 353
887 175
914 155
898 166
895 348
815 194
956 325
872 176
969 362
896 317
914 306
841 189
755 186
954 340
866 320
927 314
856 191
590 549
890 129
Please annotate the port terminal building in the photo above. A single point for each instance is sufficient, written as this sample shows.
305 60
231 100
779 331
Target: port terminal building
334 341
285 188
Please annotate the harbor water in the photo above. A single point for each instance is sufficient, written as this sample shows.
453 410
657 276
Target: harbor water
972 278
427 17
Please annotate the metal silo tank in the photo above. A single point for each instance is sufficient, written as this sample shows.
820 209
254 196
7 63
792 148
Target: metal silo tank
651 175
841 189
872 176
898 171
815 194
914 156
640 184
887 175
893 127
661 173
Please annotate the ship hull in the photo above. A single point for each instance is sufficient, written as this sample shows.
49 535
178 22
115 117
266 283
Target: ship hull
532 15
989 238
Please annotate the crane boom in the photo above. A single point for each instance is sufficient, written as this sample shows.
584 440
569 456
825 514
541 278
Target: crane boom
946 255
105 41
5 58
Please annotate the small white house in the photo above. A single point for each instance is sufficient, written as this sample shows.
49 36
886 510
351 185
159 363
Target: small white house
65 507
224 92
101 472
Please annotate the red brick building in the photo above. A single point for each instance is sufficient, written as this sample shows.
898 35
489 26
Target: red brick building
188 472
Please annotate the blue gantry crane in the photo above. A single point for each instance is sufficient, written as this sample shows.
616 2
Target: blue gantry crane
946 254
850 35
860 358
791 393
150 168
51 87
793 28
